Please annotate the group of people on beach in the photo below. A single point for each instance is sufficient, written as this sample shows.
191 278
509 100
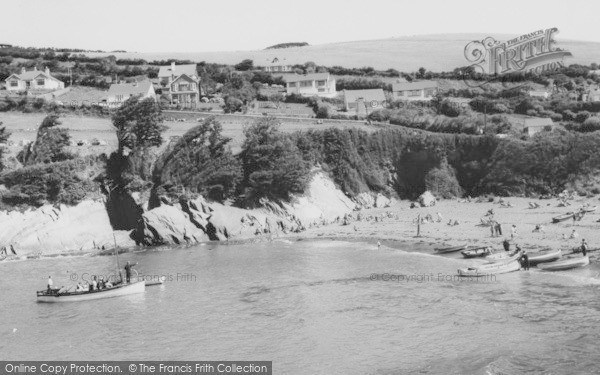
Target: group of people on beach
96 284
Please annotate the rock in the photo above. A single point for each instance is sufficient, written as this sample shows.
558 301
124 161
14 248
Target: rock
381 201
427 199
168 225
365 200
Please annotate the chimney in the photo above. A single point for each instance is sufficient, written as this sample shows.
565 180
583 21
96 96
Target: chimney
172 66
47 70
35 68
22 70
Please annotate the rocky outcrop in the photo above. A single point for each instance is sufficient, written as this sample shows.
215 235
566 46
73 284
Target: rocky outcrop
51 230
198 220
372 200
427 199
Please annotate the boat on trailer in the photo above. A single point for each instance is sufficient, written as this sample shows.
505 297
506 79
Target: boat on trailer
55 296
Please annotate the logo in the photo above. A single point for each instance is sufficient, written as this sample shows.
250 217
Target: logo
535 52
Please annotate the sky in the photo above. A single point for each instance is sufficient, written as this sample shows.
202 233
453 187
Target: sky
234 25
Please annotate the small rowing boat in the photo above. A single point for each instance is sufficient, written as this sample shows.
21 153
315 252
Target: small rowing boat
563 217
566 264
544 256
503 257
118 290
589 209
490 269
442 250
476 252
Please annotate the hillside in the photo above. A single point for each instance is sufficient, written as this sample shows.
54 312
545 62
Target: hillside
434 52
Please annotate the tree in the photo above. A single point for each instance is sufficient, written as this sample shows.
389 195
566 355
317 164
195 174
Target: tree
201 161
139 124
245 65
273 164
50 144
4 134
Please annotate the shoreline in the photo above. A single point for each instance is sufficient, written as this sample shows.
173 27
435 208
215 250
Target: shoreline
394 226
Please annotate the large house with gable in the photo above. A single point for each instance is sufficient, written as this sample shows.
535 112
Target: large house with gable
416 90
180 84
319 84
119 93
33 80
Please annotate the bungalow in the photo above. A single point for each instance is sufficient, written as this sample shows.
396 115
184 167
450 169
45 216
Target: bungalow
180 84
592 95
119 93
320 84
361 101
534 125
33 80
539 94
419 90
277 67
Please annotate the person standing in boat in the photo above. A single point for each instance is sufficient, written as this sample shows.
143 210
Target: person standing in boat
50 284
128 268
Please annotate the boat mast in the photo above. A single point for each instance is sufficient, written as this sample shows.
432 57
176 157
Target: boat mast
117 255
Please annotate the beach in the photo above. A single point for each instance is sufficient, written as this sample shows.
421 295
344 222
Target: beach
398 223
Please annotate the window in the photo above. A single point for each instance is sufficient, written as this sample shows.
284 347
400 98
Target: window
430 92
320 89
291 84
320 83
306 84
41 82
14 83
119 98
414 93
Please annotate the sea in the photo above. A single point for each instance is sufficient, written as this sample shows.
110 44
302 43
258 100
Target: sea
310 307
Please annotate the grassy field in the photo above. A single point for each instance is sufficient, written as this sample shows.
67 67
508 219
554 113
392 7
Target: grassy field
434 52
23 128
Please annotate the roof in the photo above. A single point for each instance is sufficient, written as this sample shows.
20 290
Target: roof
537 121
140 88
307 77
365 95
418 85
31 75
189 69
192 79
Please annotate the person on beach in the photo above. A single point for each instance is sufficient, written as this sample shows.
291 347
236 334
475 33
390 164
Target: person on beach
493 228
94 284
498 229
513 231
583 247
439 217
574 234
506 245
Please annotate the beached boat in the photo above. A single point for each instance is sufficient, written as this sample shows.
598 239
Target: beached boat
476 252
544 256
441 250
566 264
563 217
490 269
115 291
589 209
503 257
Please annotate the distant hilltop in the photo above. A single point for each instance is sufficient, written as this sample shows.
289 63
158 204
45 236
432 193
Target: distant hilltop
288 45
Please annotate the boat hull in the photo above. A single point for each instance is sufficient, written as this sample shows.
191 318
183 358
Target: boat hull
566 264
450 249
124 290
503 257
490 269
564 217
549 256
476 253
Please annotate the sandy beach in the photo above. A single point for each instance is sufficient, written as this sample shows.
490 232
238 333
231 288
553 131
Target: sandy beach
398 223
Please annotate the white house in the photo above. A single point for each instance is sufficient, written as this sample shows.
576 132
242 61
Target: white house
33 80
539 94
119 93
275 66
419 90
180 83
363 101
320 84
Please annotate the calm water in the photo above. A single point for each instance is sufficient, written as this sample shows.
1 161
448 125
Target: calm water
311 308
